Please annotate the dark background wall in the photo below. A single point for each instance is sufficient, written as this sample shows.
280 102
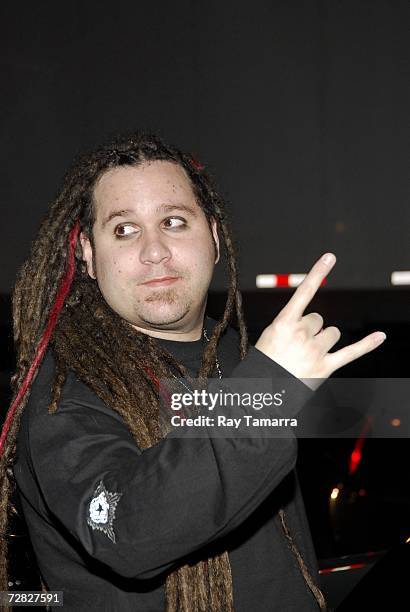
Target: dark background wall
300 109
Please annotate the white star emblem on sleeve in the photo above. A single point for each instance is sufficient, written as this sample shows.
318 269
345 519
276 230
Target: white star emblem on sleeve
101 510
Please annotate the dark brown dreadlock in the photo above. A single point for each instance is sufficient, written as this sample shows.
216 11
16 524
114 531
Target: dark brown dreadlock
105 352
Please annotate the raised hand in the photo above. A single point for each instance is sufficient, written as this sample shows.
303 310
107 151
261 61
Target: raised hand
298 343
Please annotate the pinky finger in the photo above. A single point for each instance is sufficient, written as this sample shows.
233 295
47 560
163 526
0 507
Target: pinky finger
352 352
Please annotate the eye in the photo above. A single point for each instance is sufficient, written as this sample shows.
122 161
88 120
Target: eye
175 222
124 229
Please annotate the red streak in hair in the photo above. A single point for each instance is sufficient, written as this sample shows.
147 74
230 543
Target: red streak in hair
51 323
167 397
196 164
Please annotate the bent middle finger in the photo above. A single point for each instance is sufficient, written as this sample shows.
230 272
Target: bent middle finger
314 322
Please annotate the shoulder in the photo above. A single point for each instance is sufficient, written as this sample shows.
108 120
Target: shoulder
75 395
81 418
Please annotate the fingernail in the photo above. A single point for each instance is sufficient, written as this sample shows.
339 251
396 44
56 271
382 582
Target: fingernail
379 338
328 258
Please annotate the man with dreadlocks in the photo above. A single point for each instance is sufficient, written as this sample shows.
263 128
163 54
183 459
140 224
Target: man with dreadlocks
122 514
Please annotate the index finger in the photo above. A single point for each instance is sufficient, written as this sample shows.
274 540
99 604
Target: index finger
305 292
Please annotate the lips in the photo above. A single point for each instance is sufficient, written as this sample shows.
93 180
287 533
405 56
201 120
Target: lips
164 280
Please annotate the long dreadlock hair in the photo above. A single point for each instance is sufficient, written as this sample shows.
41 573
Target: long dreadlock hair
119 363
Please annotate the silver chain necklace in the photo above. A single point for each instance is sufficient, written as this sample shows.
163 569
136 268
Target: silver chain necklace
218 367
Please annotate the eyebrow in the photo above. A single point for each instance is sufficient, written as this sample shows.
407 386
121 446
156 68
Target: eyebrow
161 208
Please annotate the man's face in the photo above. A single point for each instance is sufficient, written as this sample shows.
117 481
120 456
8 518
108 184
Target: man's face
154 253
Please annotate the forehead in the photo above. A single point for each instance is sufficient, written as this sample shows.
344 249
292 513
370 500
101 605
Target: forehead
150 183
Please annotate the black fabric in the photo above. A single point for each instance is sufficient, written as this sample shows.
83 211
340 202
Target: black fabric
183 499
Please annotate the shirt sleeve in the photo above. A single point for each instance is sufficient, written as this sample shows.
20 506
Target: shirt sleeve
141 512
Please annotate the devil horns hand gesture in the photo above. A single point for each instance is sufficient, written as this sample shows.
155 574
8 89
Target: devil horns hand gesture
298 343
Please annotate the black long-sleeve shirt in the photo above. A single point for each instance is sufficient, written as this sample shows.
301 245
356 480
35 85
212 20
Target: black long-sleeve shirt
181 497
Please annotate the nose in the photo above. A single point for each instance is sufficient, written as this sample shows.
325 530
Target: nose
154 249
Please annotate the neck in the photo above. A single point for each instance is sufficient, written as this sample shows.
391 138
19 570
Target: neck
172 335
184 334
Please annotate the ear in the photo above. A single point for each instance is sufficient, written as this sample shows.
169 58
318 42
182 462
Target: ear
214 228
87 250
